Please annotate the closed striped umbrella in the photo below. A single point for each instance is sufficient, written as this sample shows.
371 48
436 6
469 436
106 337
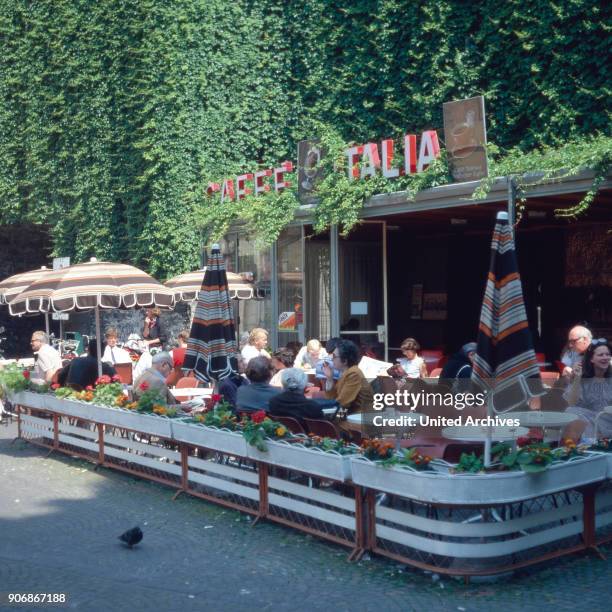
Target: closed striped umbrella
505 346
13 285
505 352
212 348
95 284
187 286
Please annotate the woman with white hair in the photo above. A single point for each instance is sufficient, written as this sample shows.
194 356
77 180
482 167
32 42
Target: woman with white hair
291 401
256 346
309 355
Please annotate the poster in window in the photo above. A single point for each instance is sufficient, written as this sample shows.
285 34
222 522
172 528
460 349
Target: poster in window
434 306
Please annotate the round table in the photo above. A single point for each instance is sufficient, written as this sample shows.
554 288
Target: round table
411 421
545 420
480 433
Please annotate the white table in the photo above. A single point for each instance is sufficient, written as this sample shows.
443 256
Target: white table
545 420
191 392
412 421
478 433
328 412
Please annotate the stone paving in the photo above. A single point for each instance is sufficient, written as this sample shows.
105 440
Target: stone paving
59 522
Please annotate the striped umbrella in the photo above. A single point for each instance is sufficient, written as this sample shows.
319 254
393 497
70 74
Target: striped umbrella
187 286
212 348
95 284
505 357
12 286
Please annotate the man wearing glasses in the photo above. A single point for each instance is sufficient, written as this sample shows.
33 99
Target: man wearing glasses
48 360
578 341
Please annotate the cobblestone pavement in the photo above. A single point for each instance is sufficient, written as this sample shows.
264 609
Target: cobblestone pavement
59 521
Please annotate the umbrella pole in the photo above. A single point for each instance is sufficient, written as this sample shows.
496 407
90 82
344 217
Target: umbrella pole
47 323
487 446
98 341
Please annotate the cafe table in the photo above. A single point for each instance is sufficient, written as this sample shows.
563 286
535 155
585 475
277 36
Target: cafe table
545 420
191 392
479 433
365 419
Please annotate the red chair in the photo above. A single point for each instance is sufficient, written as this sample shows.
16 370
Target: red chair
293 425
435 373
541 358
185 383
319 427
560 366
432 358
124 372
549 378
174 377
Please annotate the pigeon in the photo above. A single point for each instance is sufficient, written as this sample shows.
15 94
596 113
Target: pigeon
131 537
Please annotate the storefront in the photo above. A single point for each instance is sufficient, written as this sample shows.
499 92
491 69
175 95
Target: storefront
418 268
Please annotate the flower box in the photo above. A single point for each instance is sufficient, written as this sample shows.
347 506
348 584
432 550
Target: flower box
295 456
478 489
115 417
29 399
222 440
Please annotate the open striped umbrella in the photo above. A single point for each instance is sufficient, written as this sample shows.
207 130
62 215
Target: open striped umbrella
12 286
95 284
212 348
505 357
187 286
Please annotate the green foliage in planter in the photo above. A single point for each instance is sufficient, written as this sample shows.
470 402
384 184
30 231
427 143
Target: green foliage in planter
106 394
14 379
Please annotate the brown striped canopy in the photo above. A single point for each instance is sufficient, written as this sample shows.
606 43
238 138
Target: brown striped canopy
187 286
12 286
90 285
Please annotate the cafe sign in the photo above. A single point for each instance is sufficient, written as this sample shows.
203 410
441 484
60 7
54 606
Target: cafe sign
363 160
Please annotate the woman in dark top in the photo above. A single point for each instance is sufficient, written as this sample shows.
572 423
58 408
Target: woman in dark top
291 402
152 331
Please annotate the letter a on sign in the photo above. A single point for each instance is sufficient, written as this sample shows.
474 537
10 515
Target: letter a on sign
430 149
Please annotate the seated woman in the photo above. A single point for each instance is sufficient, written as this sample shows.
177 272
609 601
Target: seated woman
258 394
291 402
281 359
256 345
412 365
590 391
352 391
310 355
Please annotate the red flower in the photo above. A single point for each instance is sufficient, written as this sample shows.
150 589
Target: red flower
144 385
258 417
89 388
55 386
216 397
26 374
103 380
522 441
116 378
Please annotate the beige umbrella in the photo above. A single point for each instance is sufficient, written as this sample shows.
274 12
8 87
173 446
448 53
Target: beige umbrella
187 286
95 284
12 286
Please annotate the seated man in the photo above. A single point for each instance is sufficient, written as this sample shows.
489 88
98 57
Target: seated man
154 378
578 341
48 360
112 353
83 371
228 387
291 402
258 394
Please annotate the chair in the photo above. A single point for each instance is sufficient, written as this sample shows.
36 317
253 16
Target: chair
293 425
432 358
549 378
185 383
560 366
319 427
124 372
553 401
435 373
541 358
174 376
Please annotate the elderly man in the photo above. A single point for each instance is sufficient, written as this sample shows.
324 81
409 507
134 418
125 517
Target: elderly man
48 360
578 341
154 378
292 402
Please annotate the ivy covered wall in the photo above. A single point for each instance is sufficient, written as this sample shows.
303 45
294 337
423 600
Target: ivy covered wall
115 113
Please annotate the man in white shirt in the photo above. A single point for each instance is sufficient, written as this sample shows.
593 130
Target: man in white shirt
48 360
112 353
578 341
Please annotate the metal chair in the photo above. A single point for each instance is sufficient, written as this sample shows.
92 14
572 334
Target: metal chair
293 425
319 427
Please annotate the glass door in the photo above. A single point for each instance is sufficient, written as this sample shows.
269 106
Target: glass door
362 279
